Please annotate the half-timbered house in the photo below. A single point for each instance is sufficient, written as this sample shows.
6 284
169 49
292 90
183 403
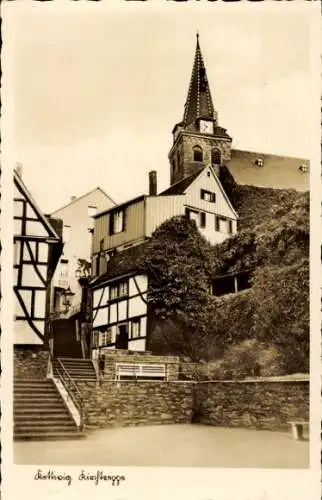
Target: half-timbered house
37 248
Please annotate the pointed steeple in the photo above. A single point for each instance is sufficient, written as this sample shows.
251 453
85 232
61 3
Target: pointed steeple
199 102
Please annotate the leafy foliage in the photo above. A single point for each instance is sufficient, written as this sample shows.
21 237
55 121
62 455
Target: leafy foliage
281 312
249 358
274 312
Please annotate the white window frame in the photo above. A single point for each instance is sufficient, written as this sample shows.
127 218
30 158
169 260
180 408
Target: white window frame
137 323
118 221
104 336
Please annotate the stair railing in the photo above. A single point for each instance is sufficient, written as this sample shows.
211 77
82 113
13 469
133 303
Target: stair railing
72 389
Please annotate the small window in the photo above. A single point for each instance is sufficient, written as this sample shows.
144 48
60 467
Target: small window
136 328
224 285
303 168
221 224
123 288
259 162
118 290
230 226
117 222
208 196
113 292
105 337
197 154
198 217
215 156
244 281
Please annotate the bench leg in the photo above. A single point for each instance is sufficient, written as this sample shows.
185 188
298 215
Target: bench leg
297 431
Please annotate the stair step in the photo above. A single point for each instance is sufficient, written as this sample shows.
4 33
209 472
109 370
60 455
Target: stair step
77 370
32 380
31 412
49 428
26 385
37 397
45 417
37 390
40 405
43 436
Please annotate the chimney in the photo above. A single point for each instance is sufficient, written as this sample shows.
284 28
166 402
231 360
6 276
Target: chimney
153 183
19 169
73 198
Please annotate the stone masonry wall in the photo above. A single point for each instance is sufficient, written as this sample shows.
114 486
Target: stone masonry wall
118 404
118 356
30 362
256 404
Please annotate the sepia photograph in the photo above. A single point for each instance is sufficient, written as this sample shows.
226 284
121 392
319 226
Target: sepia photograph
161 237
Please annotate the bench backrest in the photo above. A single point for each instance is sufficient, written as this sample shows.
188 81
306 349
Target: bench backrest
140 370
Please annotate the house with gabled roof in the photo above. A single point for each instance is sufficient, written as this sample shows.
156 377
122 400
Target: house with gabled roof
37 249
201 151
69 283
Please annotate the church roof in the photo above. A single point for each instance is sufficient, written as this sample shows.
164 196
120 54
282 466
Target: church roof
199 101
277 172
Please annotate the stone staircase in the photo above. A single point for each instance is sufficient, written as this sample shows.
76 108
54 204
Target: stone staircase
40 412
80 370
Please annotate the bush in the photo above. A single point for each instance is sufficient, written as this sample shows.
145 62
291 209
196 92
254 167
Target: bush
249 358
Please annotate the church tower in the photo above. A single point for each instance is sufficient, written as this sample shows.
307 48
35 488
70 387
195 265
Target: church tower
198 141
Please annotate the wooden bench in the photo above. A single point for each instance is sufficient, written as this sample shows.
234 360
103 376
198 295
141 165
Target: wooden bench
140 370
297 429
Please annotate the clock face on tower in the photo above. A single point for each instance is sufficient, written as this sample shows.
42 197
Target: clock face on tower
206 127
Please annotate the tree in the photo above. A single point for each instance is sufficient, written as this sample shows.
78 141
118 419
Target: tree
179 264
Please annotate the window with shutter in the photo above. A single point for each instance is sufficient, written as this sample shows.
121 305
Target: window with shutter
208 196
230 226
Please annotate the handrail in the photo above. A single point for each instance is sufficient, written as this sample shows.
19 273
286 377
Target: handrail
72 389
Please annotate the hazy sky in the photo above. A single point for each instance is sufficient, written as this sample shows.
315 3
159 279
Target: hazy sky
97 91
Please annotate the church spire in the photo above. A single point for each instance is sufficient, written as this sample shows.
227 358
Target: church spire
199 102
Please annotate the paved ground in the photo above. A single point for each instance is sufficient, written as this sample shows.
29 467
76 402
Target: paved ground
170 446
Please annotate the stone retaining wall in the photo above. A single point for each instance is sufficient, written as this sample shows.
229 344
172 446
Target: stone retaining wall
118 404
118 356
264 404
30 362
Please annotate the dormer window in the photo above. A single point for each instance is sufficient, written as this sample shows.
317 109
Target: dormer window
215 156
303 168
197 153
259 162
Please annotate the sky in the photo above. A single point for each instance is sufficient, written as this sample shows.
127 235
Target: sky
97 90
